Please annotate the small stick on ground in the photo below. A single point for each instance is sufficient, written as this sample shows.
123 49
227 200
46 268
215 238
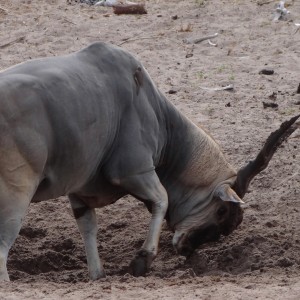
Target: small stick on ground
140 38
18 40
212 44
229 87
262 2
138 9
69 21
199 40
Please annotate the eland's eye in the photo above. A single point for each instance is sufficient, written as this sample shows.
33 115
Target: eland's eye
221 211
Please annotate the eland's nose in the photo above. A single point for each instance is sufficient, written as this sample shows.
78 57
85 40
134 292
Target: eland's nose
185 250
177 239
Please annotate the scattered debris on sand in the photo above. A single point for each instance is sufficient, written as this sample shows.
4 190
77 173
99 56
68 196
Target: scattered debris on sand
123 7
280 11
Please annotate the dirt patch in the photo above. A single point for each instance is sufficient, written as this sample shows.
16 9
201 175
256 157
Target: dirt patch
261 259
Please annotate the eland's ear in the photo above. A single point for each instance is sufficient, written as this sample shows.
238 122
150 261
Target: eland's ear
226 193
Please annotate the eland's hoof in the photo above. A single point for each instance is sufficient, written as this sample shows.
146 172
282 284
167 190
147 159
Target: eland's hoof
140 265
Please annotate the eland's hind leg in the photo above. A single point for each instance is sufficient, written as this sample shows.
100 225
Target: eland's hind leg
16 191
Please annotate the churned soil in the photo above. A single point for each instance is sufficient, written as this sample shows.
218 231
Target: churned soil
261 259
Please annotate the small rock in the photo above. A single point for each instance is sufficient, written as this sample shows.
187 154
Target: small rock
270 104
172 92
266 72
175 17
298 89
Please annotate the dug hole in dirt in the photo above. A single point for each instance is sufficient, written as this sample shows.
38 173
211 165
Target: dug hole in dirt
261 259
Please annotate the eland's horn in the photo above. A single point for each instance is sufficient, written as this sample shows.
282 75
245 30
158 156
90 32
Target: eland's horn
254 167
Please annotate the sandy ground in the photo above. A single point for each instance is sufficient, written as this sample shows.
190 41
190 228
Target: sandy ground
259 260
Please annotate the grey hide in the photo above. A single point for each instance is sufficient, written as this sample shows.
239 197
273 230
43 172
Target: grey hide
92 125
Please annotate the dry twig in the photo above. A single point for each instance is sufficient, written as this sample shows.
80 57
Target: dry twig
212 44
262 2
138 9
199 40
69 21
229 87
136 39
18 40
